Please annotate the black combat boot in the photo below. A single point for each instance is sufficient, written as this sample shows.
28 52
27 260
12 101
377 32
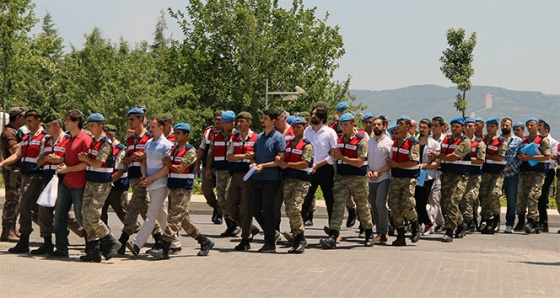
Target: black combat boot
299 245
351 217
22 246
92 252
45 248
487 227
158 238
330 242
415 231
244 245
163 253
448 237
460 232
232 229
471 227
530 226
400 241
123 240
520 223
109 246
217 217
368 242
205 245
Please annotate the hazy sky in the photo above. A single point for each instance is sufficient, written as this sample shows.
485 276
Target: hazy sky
389 44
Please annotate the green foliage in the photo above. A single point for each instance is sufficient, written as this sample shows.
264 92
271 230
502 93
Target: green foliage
457 63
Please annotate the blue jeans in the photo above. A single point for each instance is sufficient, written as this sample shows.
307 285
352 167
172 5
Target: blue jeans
510 189
66 197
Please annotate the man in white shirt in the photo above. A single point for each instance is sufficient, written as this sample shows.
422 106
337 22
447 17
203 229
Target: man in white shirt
436 217
544 130
379 150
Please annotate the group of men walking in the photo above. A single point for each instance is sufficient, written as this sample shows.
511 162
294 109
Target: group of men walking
429 179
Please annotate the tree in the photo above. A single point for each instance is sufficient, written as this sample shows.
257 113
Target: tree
231 47
457 64
160 42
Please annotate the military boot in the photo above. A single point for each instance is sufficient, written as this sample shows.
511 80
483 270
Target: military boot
400 241
299 244
471 227
158 238
163 253
232 229
415 231
460 232
351 221
368 242
244 245
530 226
205 245
330 242
487 227
21 247
93 253
123 240
109 246
45 248
448 237
520 223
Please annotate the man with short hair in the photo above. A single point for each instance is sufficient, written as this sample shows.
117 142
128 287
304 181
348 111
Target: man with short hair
533 175
208 185
11 175
493 171
168 127
99 177
544 130
455 162
379 150
71 188
511 175
217 159
32 178
350 180
404 163
438 134
479 124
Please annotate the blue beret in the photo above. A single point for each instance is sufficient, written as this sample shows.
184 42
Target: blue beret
228 116
532 119
402 117
135 111
392 127
366 116
341 106
458 120
96 117
346 117
469 120
290 119
479 119
299 120
493 120
182 126
517 124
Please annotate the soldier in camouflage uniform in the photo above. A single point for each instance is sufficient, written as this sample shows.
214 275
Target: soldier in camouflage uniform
533 176
11 175
492 177
180 179
469 202
351 156
217 154
455 162
404 163
99 177
297 180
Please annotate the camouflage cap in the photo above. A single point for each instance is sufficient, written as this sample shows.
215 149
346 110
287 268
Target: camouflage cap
33 113
110 127
304 114
51 118
167 117
245 115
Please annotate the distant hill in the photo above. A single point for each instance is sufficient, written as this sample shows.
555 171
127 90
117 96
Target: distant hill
427 101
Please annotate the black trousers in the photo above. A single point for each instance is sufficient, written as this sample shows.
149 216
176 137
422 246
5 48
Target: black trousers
324 177
421 194
262 208
543 199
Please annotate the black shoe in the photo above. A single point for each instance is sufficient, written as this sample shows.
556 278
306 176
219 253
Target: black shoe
471 227
361 231
448 237
44 249
460 232
520 223
268 248
368 242
544 227
530 227
254 232
218 219
400 241
22 246
163 253
351 218
330 242
326 229
299 245
123 240
415 231
244 245
134 249
205 245
158 238
214 215
109 246
232 229
92 252
57 254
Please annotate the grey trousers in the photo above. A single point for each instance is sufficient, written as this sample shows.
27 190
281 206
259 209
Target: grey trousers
378 201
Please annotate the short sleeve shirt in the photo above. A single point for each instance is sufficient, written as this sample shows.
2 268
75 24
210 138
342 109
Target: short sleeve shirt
267 148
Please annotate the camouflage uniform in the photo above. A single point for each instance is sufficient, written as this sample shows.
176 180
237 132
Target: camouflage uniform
12 179
355 186
223 177
453 188
31 190
95 194
401 190
491 189
532 186
295 191
469 203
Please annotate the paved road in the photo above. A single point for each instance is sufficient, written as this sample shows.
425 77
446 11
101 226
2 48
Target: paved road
514 265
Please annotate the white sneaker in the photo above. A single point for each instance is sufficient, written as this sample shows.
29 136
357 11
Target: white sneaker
508 230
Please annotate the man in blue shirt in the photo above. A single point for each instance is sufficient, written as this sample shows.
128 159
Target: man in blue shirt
270 147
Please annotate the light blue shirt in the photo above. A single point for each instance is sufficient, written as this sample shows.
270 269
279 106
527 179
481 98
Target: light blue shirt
155 150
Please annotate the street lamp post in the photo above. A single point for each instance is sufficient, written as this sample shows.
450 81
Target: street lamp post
298 91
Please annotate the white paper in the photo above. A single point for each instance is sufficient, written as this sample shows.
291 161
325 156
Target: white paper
249 174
